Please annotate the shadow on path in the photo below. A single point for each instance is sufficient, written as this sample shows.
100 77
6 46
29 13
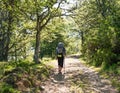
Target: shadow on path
78 78
59 77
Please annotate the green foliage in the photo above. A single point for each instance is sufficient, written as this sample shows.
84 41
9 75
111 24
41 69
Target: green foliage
19 23
116 84
2 67
99 23
23 63
100 36
26 72
8 89
53 34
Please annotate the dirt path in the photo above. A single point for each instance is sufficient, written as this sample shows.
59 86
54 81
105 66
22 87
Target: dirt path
77 79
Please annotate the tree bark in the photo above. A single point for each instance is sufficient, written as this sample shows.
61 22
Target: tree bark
6 35
37 45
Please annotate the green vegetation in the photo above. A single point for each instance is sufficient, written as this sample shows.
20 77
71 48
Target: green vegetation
31 29
100 45
23 76
98 21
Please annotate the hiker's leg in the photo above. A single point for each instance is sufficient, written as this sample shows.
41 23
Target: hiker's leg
62 61
59 68
61 64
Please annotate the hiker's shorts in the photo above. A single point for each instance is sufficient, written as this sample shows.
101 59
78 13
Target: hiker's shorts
60 61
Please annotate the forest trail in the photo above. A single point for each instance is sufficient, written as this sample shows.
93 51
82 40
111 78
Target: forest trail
78 78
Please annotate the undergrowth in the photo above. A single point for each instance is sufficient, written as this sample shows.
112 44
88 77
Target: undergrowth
16 77
113 73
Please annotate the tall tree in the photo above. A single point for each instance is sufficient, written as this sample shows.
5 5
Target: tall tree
44 12
6 29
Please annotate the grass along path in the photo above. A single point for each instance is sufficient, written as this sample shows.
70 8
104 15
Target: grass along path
77 79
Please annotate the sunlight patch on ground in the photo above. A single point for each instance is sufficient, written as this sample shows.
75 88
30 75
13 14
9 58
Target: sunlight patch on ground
76 89
96 68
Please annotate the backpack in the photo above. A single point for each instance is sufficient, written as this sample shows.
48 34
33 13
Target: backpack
60 49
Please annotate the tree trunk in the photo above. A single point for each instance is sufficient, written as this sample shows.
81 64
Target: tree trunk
42 20
8 36
37 45
37 48
10 21
82 37
4 48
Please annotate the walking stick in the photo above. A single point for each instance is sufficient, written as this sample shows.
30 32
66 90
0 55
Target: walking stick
64 65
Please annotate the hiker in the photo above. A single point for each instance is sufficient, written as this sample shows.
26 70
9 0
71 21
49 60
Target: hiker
61 52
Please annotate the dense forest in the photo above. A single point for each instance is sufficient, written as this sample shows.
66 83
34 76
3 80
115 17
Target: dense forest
31 29
100 32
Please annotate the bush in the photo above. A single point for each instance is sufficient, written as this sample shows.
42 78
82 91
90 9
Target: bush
8 89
